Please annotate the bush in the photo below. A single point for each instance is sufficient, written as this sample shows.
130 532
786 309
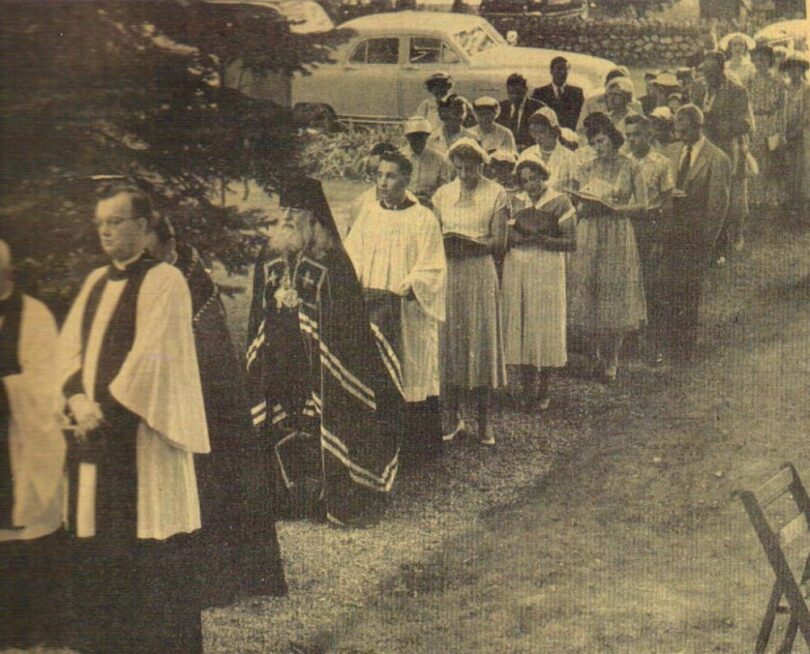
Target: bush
340 155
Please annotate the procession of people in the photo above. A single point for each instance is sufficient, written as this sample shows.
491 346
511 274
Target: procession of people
144 463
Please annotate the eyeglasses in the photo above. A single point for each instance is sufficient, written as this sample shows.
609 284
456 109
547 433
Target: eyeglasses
113 221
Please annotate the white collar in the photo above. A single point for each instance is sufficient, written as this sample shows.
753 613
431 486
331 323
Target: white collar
559 89
122 265
697 146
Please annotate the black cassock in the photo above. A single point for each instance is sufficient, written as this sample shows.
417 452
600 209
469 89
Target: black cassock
240 554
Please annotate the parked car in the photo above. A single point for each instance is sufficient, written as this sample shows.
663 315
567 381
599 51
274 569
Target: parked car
378 74
545 8
792 34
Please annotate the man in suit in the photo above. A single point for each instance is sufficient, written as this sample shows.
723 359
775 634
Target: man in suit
700 202
517 108
566 100
728 119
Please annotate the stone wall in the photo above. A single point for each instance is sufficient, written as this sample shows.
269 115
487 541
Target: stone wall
637 42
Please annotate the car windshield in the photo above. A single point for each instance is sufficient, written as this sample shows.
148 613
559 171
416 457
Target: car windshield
475 40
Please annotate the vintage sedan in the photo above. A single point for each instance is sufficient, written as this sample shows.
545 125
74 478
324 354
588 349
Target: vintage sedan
379 73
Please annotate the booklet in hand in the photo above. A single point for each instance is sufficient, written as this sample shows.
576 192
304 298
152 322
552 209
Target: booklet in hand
531 222
459 245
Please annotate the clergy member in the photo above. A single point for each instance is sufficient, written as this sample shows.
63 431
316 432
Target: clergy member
240 546
32 455
132 388
397 250
322 389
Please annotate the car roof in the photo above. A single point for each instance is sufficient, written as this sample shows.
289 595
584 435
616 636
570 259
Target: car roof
413 21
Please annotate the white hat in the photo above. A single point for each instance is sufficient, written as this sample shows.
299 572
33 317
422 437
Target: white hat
466 141
488 102
728 39
549 114
663 113
624 84
417 125
532 158
505 156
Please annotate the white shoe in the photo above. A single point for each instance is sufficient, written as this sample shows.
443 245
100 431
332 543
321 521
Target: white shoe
460 427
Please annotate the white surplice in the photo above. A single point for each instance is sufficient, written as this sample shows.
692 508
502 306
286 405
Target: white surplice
36 443
394 250
159 381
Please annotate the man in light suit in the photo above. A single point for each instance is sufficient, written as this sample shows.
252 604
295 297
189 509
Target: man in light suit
517 109
566 100
700 204
728 121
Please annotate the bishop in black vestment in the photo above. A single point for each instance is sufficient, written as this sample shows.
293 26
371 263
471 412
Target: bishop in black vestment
321 386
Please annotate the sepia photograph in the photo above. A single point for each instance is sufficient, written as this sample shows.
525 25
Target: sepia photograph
404 326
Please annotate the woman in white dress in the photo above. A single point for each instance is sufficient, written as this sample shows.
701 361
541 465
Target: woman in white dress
560 160
473 212
534 302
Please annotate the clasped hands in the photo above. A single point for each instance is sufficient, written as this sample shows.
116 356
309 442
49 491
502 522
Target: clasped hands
86 413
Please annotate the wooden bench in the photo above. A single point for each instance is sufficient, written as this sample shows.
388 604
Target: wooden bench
759 504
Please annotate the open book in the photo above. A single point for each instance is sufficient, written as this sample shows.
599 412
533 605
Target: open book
460 245
594 199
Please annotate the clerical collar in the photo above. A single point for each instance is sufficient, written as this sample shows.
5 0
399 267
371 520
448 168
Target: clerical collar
406 203
119 270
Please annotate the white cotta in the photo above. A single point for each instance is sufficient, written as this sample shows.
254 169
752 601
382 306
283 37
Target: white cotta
36 443
159 381
395 250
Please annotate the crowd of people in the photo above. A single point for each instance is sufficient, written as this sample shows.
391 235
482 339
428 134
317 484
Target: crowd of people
143 468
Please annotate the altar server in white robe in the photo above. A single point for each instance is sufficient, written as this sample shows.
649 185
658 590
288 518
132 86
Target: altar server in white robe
397 251
32 456
132 388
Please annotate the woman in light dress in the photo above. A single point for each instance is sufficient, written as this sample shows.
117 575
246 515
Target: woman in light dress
473 212
766 93
797 134
541 230
607 293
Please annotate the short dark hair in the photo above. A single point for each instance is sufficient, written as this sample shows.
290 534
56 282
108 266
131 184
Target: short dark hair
766 51
139 197
382 148
558 60
613 74
606 128
717 56
403 163
516 79
636 119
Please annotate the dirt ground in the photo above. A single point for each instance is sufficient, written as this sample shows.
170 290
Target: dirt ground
609 524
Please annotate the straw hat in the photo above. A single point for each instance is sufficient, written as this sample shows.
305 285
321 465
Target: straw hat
725 43
417 125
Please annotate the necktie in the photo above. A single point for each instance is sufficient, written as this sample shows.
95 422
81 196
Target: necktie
683 171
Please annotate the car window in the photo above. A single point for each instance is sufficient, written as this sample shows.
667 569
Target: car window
431 51
376 51
474 41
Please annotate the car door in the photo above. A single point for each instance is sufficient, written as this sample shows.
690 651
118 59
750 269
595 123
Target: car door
368 81
424 55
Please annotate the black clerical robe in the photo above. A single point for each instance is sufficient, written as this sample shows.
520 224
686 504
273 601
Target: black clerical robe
128 345
240 548
316 370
